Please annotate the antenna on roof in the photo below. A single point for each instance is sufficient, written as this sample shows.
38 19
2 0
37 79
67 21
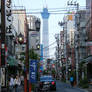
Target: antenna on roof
45 4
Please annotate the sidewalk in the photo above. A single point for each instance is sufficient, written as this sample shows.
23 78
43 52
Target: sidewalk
86 89
77 87
20 89
89 89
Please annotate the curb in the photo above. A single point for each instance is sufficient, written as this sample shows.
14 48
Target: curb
85 90
89 90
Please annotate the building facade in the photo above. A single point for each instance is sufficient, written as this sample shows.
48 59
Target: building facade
20 26
70 39
34 34
81 36
62 47
89 38
89 26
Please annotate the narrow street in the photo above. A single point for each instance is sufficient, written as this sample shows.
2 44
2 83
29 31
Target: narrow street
63 87
43 42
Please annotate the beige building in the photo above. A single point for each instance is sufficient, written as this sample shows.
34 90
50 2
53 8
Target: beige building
19 20
20 26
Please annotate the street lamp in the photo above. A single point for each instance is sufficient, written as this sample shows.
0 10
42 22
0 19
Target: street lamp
38 46
37 24
20 38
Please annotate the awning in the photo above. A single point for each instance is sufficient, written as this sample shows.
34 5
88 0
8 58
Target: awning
12 61
88 59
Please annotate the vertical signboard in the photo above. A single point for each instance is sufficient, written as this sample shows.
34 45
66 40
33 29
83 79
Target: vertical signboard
41 59
0 79
0 52
2 34
32 71
0 45
3 77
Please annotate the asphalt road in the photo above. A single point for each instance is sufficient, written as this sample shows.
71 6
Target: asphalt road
63 87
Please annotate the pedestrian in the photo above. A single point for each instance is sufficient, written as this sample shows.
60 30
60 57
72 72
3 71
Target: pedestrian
11 84
72 81
17 83
22 80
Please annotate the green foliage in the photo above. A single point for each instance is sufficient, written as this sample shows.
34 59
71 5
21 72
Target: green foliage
72 73
22 58
45 72
33 87
33 55
84 83
63 80
53 71
22 53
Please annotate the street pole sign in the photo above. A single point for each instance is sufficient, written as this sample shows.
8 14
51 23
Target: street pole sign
2 72
32 71
2 33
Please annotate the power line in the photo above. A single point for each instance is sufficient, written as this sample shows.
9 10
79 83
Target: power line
49 45
28 13
50 48
61 8
53 9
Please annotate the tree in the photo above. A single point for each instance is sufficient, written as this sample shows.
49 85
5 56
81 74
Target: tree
22 58
33 55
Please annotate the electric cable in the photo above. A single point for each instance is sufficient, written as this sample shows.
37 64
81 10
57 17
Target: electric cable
54 9
51 12
49 45
28 13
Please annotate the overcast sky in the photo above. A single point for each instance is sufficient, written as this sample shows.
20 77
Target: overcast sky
54 18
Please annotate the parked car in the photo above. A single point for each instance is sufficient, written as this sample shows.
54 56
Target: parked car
47 82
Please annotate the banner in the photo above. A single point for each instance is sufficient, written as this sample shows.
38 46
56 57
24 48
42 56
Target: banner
2 76
33 71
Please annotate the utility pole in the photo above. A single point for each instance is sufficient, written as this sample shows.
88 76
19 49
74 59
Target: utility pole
0 48
64 24
77 57
76 43
2 40
26 83
3 27
65 29
58 55
57 64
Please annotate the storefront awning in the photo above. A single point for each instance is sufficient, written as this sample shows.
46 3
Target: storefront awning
12 61
88 60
